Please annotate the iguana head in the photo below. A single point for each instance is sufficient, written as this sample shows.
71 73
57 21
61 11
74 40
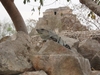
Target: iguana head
44 33
41 31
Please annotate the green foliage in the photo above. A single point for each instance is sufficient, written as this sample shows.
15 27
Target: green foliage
9 29
97 1
26 1
68 0
31 23
41 2
92 15
6 28
39 9
33 9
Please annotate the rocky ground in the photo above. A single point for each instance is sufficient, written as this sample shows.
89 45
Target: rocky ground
22 54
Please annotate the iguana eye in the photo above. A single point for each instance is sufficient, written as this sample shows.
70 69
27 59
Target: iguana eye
42 29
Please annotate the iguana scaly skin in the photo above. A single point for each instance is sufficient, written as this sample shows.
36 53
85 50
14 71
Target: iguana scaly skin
49 35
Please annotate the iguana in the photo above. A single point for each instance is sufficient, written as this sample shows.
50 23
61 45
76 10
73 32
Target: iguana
49 35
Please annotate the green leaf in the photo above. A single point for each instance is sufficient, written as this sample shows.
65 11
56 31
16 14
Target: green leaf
99 3
68 0
24 1
91 12
9 29
28 0
41 2
93 16
33 9
96 1
89 15
39 8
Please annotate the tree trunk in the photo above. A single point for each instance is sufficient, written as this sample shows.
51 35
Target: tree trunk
92 6
15 15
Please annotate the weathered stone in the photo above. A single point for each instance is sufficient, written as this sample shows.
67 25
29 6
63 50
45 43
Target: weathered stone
53 47
4 39
82 35
55 59
14 54
95 62
88 48
34 73
33 32
37 42
95 72
59 64
70 41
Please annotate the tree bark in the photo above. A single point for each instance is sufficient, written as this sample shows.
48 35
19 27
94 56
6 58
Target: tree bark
92 6
15 15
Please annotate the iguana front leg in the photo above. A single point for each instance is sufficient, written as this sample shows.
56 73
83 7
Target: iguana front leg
54 39
67 46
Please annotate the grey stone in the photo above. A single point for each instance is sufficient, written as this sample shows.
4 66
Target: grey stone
88 48
55 59
14 54
95 62
41 72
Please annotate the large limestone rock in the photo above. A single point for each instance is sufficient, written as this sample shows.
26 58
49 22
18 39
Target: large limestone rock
95 72
60 64
4 38
55 59
33 32
51 47
37 42
88 48
73 43
95 62
14 54
34 73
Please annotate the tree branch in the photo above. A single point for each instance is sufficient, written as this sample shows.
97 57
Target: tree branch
15 15
92 6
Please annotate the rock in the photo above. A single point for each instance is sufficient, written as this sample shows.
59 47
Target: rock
95 72
34 73
55 59
88 48
4 39
52 47
60 64
82 35
73 43
33 32
96 36
95 62
14 54
37 42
